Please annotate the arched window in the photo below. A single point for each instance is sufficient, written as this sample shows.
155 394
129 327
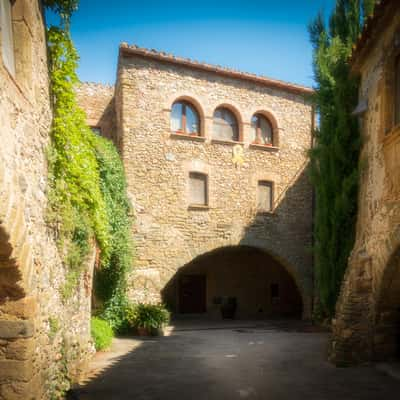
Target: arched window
185 119
225 125
261 130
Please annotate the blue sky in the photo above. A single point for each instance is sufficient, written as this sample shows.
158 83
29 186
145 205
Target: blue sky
264 37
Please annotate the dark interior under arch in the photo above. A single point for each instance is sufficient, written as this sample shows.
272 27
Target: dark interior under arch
258 284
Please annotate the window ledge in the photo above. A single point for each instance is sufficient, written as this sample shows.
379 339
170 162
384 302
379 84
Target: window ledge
263 147
185 136
228 142
198 207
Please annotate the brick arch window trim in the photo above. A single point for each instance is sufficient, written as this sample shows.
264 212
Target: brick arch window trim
185 118
269 118
262 130
226 125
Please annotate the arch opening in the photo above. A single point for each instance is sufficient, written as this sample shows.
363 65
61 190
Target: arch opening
258 286
387 335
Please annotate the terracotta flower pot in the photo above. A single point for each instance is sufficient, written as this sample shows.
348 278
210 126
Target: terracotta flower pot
141 331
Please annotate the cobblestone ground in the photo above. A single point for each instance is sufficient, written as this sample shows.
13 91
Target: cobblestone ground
274 361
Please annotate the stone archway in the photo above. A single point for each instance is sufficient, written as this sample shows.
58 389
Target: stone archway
261 285
17 308
387 313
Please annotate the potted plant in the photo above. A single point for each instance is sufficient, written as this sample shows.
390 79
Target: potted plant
149 319
228 307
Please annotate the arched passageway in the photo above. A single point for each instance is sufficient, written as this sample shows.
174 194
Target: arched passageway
387 335
260 286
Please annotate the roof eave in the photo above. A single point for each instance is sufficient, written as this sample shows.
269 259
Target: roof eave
126 50
374 25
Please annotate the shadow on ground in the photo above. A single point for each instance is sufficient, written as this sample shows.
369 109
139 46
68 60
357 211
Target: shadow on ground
275 360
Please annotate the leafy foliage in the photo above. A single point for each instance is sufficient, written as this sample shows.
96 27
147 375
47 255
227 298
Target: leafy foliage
64 8
102 333
149 316
87 186
111 278
334 159
77 207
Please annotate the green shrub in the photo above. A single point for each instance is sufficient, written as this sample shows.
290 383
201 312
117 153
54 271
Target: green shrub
149 316
102 333
110 279
118 312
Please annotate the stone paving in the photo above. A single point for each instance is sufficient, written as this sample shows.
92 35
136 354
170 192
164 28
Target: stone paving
230 360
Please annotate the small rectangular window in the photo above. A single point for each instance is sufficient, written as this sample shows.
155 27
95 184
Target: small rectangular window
397 94
198 190
7 40
264 196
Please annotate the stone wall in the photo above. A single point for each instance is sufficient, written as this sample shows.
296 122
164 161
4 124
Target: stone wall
43 339
98 103
367 323
168 232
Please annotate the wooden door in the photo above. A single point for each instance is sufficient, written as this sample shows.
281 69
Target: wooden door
192 294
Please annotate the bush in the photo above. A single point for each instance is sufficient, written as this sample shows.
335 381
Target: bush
118 312
149 316
110 278
102 333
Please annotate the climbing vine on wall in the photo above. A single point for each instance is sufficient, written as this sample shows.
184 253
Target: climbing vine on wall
110 280
334 160
87 189
77 206
64 8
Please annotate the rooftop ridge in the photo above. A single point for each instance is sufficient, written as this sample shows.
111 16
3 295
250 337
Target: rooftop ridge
127 49
92 83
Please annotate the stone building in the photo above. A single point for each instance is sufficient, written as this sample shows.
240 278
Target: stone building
216 165
43 340
367 323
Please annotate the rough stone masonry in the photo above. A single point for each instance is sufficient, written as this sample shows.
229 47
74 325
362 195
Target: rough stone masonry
367 322
43 340
169 232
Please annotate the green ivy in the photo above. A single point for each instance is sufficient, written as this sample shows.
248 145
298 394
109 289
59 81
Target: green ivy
87 196
110 282
77 207
64 8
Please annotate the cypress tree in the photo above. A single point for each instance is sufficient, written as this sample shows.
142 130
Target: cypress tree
334 158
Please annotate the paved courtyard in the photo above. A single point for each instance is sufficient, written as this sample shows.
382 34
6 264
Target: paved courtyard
233 360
